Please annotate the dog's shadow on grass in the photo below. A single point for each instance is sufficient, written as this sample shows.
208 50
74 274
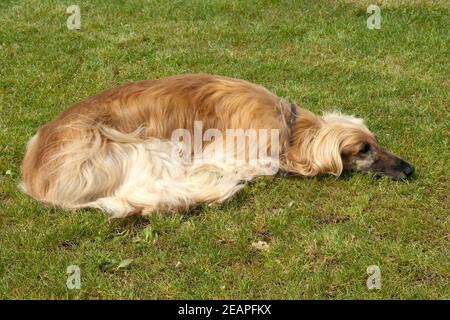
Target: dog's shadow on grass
238 201
322 178
132 222
141 222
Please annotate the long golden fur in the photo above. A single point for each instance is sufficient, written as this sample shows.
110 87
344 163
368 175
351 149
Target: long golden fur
113 150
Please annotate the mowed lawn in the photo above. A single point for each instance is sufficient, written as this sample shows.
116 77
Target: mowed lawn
322 233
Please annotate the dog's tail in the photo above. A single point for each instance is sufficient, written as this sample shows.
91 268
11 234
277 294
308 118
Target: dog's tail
96 166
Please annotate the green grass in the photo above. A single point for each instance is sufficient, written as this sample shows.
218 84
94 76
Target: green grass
322 233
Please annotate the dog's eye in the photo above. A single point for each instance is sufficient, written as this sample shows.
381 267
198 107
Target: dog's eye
365 148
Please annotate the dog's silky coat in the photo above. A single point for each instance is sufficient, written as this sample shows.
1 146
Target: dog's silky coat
113 150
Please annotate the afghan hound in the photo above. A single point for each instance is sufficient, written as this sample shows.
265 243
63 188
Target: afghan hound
171 143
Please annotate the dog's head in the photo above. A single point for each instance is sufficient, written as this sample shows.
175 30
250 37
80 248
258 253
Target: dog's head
349 145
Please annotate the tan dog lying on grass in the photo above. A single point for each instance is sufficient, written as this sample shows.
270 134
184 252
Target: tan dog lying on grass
121 150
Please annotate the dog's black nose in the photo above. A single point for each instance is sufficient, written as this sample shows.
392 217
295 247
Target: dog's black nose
408 170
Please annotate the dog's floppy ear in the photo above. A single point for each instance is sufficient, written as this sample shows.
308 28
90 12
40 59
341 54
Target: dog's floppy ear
316 151
326 151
